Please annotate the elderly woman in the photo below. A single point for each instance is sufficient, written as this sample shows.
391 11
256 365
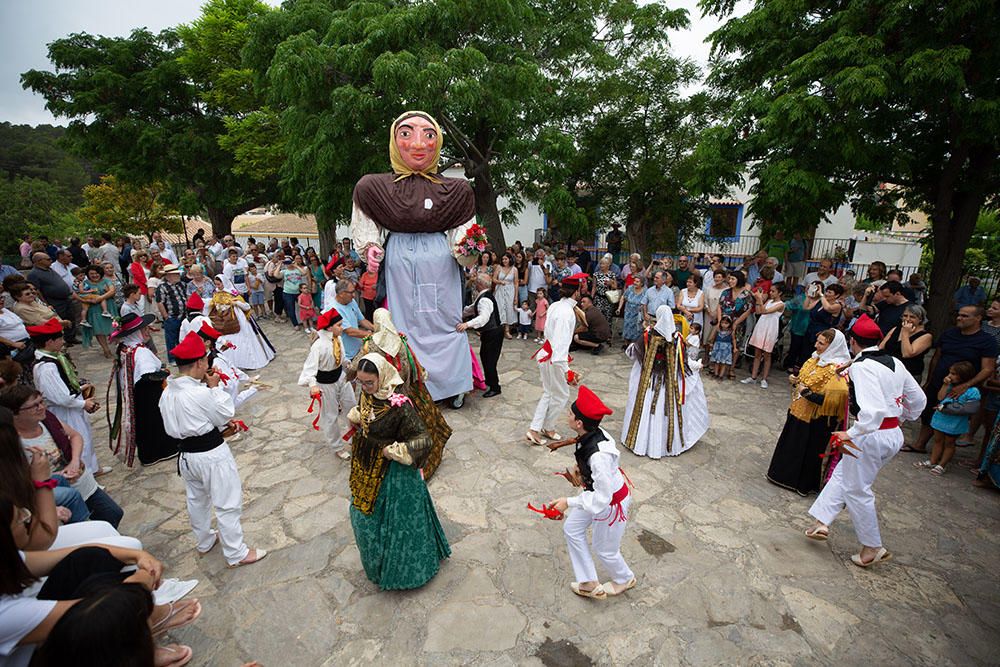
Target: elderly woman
229 313
604 281
395 526
910 341
630 307
198 283
817 410
28 307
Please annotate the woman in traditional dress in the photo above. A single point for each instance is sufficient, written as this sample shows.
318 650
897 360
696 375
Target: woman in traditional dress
818 409
101 289
395 526
414 218
248 347
138 375
395 348
666 412
505 292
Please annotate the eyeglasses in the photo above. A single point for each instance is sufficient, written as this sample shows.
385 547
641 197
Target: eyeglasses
40 403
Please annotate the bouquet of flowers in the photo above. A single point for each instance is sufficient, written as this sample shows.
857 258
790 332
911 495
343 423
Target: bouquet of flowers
470 247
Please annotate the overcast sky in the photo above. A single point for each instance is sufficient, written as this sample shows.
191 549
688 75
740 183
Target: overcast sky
27 26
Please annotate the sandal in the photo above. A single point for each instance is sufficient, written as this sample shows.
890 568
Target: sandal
173 609
937 470
881 556
533 439
819 533
344 455
597 593
172 655
609 587
923 464
552 435
258 555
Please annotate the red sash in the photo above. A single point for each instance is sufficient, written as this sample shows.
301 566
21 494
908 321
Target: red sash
889 423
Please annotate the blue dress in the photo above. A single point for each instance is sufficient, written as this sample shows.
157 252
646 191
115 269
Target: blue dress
632 320
722 350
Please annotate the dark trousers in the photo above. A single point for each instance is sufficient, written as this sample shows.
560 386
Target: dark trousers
289 304
171 334
67 309
103 508
798 351
85 571
278 299
491 342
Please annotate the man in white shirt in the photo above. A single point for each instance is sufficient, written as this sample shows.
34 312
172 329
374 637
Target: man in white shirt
538 275
824 274
195 409
235 268
553 360
64 266
773 262
165 247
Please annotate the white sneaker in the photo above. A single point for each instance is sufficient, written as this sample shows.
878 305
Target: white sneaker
86 324
763 384
109 315
749 380
172 590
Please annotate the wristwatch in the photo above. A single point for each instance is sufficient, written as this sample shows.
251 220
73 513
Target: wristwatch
49 483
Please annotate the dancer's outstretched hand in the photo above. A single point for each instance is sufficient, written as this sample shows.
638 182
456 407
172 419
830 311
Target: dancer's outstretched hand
843 443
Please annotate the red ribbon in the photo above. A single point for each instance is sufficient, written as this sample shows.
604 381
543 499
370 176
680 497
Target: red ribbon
547 512
347 436
222 376
240 425
315 399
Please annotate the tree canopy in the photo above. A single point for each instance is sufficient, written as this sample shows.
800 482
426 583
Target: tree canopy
112 205
830 101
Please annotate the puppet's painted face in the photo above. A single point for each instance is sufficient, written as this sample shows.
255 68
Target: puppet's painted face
417 140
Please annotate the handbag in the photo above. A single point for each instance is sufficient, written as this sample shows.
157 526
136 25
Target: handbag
613 295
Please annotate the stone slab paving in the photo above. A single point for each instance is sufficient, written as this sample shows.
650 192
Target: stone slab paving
725 576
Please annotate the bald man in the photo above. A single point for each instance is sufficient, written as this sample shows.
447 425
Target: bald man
56 292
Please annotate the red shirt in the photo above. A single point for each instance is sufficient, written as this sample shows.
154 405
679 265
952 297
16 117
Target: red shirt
367 283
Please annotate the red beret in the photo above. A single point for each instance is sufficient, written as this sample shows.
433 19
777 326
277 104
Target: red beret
195 302
589 405
209 332
575 280
328 319
866 328
49 328
189 350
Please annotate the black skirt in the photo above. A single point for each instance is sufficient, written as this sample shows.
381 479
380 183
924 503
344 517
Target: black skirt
152 443
796 464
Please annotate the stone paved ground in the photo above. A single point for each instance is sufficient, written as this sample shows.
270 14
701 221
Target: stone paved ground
725 576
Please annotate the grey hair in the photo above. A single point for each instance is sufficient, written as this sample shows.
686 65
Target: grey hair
917 311
660 272
343 285
638 279
483 279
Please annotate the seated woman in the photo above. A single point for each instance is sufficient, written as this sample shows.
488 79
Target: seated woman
30 609
395 525
817 410
39 428
666 412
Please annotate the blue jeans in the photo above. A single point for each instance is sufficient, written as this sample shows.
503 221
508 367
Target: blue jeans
68 497
289 302
172 334
103 508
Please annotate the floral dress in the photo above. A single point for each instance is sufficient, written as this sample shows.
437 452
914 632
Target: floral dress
734 308
632 320
602 283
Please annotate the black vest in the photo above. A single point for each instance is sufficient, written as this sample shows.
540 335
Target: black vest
587 446
879 356
494 321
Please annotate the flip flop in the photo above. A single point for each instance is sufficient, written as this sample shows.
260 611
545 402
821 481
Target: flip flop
881 556
533 439
609 587
820 533
173 655
597 593
174 608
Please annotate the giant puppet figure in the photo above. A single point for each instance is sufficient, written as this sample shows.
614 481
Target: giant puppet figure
412 219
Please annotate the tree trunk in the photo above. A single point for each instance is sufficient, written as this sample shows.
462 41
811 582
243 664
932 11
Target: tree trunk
486 208
952 233
222 220
638 238
327 226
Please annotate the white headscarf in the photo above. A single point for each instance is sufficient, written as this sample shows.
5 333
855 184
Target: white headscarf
665 322
385 336
227 283
835 353
388 377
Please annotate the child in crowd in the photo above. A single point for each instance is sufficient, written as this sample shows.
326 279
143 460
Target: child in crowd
255 288
84 294
694 347
951 416
152 282
769 308
367 285
541 307
852 305
763 283
306 309
524 321
722 348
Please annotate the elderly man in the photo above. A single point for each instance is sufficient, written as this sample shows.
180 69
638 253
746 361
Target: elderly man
485 318
657 295
824 274
64 266
355 325
970 294
171 297
583 257
754 267
774 263
165 248
56 293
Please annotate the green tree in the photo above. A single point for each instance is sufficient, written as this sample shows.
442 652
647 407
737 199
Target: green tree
828 101
153 108
115 206
32 206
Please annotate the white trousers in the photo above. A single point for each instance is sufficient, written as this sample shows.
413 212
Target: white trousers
96 532
338 399
213 482
555 395
607 542
851 485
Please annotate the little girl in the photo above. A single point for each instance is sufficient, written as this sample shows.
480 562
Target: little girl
523 321
951 416
765 332
541 307
722 348
368 284
694 345
255 286
306 310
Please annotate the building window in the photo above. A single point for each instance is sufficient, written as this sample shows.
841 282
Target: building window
725 221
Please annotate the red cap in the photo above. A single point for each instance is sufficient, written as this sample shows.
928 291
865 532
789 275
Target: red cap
49 328
208 331
189 350
866 328
588 405
328 319
195 302
575 280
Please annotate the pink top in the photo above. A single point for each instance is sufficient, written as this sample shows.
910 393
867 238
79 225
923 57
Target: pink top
541 307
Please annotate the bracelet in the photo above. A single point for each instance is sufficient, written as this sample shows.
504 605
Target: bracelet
49 483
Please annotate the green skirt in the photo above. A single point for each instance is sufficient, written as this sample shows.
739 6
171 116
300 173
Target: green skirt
401 542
